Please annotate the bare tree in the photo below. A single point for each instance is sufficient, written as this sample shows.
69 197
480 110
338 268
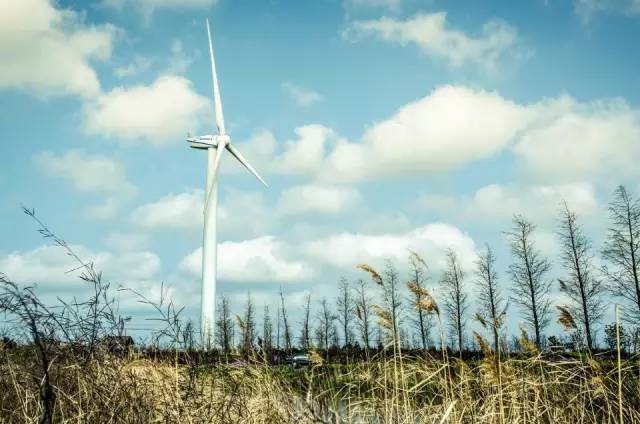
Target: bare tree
380 335
417 279
622 252
493 306
528 273
305 335
247 325
344 304
392 297
233 335
455 297
41 324
363 312
389 314
224 326
335 336
326 325
267 331
285 323
581 286
278 328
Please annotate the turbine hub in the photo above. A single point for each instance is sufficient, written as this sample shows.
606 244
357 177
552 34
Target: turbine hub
222 139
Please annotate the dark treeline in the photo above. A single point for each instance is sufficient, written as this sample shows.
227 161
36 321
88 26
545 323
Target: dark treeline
410 310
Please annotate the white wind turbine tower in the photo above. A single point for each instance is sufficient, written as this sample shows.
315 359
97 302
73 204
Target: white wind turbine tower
215 145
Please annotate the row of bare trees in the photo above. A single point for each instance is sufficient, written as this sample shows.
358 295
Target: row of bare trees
369 315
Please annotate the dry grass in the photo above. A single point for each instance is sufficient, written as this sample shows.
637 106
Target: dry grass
533 390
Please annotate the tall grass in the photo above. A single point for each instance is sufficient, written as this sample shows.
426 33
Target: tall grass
114 389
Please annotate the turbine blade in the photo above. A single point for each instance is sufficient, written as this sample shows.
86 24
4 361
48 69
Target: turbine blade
218 156
216 165
244 162
217 102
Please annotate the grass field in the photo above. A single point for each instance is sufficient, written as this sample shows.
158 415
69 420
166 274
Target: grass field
389 389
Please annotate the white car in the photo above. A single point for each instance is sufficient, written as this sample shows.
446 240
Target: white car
300 359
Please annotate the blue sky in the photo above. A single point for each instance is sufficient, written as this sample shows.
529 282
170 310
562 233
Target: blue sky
381 125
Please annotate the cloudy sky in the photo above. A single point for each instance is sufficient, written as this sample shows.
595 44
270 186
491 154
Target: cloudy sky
380 125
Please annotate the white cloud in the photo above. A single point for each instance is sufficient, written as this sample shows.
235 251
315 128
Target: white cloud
127 242
239 215
50 266
547 242
585 9
446 129
432 34
107 209
90 174
177 211
450 127
245 214
149 7
306 151
496 202
347 250
596 139
48 51
56 275
302 96
315 198
554 140
158 114
557 140
139 64
270 259
381 223
390 4
86 173
259 260
303 155
179 61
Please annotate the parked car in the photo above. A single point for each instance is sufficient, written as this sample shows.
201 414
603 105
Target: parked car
299 359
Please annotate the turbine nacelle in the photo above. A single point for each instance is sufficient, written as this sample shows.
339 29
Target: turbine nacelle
204 142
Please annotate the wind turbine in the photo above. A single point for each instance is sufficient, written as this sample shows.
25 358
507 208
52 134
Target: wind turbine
215 145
